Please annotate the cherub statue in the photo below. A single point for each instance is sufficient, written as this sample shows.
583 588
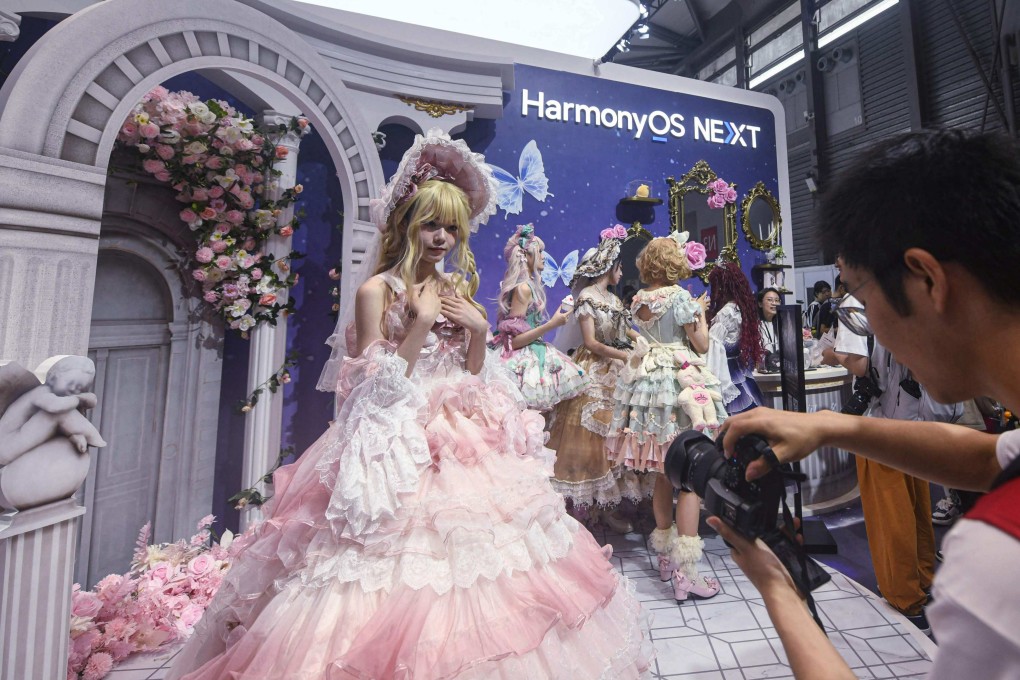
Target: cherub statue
38 426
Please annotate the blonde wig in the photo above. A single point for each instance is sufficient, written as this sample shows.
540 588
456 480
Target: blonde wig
434 201
662 261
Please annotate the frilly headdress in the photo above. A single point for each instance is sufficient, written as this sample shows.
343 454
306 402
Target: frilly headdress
434 155
595 264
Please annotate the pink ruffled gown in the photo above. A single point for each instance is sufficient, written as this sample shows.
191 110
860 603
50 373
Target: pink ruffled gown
419 537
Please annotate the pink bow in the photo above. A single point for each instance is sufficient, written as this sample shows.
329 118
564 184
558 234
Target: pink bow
618 231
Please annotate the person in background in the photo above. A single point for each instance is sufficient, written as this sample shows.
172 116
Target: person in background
734 337
768 322
827 319
822 292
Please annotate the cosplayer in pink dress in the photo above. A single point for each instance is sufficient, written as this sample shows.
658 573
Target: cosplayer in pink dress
419 537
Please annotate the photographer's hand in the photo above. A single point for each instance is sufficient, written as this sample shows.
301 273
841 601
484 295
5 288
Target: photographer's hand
809 651
792 436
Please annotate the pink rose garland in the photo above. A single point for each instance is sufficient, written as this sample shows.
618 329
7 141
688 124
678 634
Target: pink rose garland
218 163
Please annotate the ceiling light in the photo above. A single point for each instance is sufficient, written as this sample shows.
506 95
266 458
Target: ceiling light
623 45
562 27
643 10
863 17
776 70
642 29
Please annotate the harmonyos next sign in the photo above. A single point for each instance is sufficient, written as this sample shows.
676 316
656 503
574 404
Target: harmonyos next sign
659 124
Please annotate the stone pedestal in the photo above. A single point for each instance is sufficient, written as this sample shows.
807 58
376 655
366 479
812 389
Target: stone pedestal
36 567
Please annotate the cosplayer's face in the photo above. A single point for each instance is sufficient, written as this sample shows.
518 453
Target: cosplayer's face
616 274
437 240
536 261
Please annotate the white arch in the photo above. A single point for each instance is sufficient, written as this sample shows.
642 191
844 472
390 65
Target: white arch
119 53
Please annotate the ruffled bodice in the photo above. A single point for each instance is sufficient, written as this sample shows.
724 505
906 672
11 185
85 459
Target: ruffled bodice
671 308
612 320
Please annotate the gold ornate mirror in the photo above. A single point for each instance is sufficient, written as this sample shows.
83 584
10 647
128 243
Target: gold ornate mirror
715 228
760 218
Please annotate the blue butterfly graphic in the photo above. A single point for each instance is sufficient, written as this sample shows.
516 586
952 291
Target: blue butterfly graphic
510 189
564 271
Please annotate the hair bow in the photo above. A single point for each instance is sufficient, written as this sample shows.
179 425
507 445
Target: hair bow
679 237
616 231
525 232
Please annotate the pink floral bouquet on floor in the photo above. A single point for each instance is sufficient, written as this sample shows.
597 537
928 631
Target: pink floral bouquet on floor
720 193
158 601
220 165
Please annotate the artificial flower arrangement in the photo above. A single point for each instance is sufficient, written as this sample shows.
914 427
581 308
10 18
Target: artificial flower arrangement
158 601
220 165
720 193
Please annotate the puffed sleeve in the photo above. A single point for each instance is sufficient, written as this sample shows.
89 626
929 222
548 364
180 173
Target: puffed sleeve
685 308
584 307
381 451
723 325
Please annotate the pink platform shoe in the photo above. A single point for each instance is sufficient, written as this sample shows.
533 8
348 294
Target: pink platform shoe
700 588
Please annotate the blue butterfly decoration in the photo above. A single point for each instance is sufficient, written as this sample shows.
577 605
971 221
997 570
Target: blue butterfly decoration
510 189
564 271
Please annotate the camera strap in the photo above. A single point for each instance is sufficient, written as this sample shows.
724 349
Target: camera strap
802 558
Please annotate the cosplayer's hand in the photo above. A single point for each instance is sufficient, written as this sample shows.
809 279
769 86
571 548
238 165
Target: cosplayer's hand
457 309
792 436
425 303
755 559
704 301
560 317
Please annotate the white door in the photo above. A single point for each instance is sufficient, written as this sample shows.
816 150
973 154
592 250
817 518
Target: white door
130 344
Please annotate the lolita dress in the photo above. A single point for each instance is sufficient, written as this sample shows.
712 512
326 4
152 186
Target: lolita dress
419 538
739 390
545 375
648 414
582 472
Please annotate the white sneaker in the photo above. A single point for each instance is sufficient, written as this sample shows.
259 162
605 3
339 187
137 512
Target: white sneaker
946 512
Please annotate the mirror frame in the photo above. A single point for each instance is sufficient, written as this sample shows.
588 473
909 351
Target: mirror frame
760 192
697 179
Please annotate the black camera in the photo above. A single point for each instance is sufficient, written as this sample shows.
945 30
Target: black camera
865 389
696 463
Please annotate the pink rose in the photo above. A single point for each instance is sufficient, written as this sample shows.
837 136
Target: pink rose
267 300
163 175
164 151
188 215
149 130
191 615
696 255
248 262
256 274
281 152
216 191
211 296
715 201
207 213
129 129
286 231
244 145
218 246
200 564
223 228
256 140
235 216
719 186
223 261
85 604
334 274
161 572
153 166
214 162
218 204
199 275
731 195
200 194
204 254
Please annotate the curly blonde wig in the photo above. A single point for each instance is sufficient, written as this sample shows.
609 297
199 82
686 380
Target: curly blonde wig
662 261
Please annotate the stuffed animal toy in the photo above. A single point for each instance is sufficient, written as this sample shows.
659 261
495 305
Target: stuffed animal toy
699 399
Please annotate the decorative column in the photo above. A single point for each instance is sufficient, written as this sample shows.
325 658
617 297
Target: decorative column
264 423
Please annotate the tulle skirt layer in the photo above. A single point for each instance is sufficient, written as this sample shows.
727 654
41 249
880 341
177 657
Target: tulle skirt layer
467 568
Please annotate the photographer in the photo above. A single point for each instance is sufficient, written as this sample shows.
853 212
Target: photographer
938 276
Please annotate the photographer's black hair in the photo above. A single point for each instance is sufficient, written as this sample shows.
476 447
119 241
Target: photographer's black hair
820 287
953 193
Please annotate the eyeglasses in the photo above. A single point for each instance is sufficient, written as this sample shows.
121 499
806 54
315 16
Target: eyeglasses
852 316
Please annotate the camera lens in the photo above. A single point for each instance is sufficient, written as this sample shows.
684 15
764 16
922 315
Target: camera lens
692 460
